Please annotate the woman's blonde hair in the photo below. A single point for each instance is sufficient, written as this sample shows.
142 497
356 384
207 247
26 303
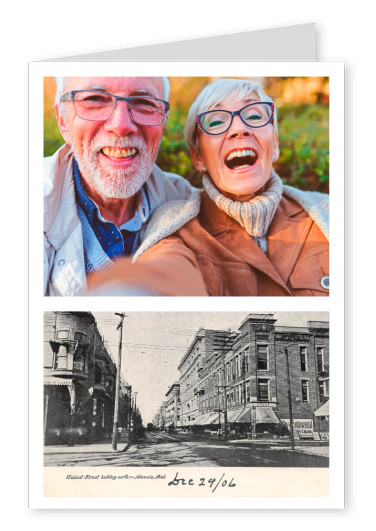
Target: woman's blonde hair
216 92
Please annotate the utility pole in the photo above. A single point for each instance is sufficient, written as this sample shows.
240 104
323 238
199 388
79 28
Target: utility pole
289 398
225 387
219 411
45 416
117 388
225 346
130 416
243 378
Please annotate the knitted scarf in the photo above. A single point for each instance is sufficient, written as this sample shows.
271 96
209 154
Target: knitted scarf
255 215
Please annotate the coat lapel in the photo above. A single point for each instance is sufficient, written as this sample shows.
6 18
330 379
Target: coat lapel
236 241
287 234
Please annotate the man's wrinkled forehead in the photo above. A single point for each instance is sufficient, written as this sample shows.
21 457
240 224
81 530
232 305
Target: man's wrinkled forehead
151 86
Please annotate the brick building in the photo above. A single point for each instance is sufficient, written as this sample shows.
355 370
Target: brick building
79 380
160 417
244 378
190 367
172 407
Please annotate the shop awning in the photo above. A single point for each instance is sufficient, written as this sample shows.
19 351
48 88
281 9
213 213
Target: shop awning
201 421
266 415
206 419
323 411
54 380
233 415
213 419
263 415
99 388
245 416
198 421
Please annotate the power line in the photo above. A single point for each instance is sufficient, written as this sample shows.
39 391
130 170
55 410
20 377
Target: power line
153 347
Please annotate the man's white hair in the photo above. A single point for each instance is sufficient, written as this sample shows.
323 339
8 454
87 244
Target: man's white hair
216 92
60 84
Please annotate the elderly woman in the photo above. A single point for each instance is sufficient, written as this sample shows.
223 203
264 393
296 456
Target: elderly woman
247 234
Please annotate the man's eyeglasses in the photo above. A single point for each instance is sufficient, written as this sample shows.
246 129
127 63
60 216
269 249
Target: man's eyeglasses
98 106
253 115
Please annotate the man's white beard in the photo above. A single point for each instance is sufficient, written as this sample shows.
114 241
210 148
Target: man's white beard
114 183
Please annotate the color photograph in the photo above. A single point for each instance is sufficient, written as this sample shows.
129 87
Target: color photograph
186 186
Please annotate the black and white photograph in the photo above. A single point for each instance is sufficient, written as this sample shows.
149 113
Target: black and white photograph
186 389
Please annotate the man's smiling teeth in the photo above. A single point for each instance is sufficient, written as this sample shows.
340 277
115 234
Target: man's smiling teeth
241 153
119 153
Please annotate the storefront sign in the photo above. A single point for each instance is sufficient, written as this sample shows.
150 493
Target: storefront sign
302 427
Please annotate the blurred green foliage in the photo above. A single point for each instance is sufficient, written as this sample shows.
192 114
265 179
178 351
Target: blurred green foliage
52 137
173 154
304 146
303 142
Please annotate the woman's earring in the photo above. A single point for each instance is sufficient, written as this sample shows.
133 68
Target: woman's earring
273 158
203 168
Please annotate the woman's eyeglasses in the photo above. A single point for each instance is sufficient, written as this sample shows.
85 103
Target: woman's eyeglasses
98 106
254 115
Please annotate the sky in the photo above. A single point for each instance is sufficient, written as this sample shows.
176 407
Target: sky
155 342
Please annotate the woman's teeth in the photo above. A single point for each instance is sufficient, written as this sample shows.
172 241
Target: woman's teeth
119 153
241 158
241 153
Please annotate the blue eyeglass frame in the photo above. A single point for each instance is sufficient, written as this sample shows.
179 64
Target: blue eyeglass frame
236 113
71 95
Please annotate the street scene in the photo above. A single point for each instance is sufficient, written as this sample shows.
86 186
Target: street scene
180 389
162 449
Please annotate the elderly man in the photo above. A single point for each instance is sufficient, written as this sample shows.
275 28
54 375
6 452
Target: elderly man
102 186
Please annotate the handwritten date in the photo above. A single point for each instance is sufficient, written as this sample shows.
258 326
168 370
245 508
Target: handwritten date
212 483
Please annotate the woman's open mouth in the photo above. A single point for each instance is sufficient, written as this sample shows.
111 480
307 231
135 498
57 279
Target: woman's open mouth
241 158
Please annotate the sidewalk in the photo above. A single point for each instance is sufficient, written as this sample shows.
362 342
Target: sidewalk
94 448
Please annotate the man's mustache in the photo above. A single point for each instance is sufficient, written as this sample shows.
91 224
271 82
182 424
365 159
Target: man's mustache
100 142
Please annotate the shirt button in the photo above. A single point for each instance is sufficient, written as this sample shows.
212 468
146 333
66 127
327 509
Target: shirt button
61 262
325 282
117 240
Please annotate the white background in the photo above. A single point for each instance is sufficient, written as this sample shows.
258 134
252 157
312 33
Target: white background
40 30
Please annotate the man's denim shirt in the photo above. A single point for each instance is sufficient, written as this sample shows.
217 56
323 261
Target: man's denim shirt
115 241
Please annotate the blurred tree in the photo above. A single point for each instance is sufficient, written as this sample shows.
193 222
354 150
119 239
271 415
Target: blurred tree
138 429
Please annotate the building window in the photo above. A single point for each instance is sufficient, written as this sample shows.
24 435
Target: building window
80 337
303 359
79 360
62 334
262 357
322 391
248 391
305 391
61 360
320 359
263 390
